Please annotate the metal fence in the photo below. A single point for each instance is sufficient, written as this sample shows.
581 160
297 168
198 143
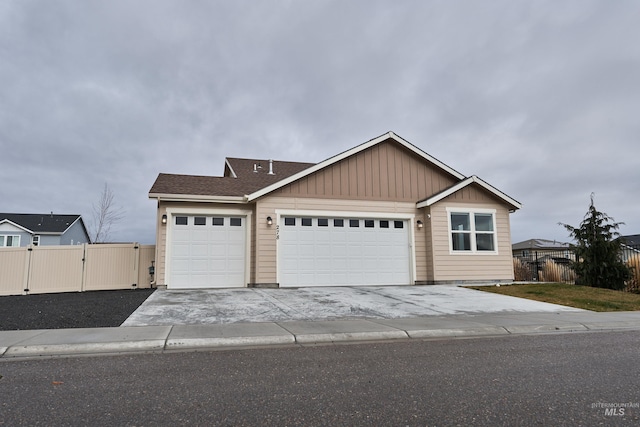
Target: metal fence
555 266
47 269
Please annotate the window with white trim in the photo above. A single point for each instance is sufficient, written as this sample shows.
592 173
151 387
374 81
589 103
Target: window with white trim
35 240
9 241
472 231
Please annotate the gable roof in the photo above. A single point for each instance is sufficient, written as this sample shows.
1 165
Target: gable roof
464 183
246 180
332 160
41 223
239 180
540 244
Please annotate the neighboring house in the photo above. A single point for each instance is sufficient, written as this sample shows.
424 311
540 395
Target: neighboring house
41 230
382 213
631 240
541 247
630 246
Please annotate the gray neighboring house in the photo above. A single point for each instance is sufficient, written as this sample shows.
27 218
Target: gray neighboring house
42 230
543 247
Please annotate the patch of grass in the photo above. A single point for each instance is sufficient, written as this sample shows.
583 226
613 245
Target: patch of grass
584 297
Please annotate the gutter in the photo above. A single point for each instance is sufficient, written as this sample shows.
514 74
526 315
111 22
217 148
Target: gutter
197 198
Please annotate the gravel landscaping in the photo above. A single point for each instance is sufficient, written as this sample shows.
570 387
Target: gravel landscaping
95 309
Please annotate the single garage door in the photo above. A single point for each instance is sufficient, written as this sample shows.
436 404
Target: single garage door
207 252
343 252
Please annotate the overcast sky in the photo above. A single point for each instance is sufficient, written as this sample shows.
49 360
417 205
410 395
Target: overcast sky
539 98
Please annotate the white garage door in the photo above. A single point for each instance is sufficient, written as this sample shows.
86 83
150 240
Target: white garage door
343 252
207 252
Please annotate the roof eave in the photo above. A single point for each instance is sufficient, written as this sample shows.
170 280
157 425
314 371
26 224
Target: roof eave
165 197
8 221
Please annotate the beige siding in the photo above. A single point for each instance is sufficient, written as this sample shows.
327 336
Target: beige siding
266 251
14 264
449 267
428 255
147 253
161 245
384 172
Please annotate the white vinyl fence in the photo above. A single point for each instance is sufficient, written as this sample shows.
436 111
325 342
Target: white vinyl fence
47 269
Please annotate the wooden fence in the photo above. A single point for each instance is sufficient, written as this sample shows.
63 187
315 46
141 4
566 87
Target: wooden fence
47 269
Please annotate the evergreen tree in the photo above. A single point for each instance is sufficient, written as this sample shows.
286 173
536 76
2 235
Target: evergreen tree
598 249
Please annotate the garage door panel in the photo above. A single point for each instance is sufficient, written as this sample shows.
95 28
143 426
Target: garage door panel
321 256
207 255
199 250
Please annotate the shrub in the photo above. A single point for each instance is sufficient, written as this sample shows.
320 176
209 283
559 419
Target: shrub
598 251
521 271
554 272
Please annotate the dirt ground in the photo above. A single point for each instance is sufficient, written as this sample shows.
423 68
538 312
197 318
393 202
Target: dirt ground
96 309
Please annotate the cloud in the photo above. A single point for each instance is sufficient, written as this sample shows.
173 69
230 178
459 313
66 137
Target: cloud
538 99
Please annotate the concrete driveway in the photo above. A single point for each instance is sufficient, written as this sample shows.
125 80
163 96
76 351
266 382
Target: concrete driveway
191 307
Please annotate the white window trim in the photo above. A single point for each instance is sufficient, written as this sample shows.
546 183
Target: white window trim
173 212
35 240
4 240
472 232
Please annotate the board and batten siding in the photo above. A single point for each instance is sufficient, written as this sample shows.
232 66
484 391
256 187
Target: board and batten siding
383 172
452 268
266 245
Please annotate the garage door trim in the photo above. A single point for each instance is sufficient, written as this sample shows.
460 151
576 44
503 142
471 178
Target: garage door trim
173 212
410 218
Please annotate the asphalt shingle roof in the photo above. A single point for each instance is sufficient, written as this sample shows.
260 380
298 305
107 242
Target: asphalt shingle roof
246 181
41 223
540 244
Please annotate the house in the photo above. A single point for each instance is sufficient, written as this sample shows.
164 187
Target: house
541 247
41 229
630 247
381 213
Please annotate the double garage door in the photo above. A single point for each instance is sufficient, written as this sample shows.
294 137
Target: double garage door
343 251
210 251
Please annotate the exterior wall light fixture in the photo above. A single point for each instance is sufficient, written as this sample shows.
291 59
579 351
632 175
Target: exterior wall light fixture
419 224
164 219
269 220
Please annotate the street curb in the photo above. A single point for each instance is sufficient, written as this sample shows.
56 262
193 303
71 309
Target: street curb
350 336
612 326
529 329
462 332
83 348
50 343
193 343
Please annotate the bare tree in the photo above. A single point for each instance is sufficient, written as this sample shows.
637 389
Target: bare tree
105 215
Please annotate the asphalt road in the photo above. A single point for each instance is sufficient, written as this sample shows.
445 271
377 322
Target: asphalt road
557 379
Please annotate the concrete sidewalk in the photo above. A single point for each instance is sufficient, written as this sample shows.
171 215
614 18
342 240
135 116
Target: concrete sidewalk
61 342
